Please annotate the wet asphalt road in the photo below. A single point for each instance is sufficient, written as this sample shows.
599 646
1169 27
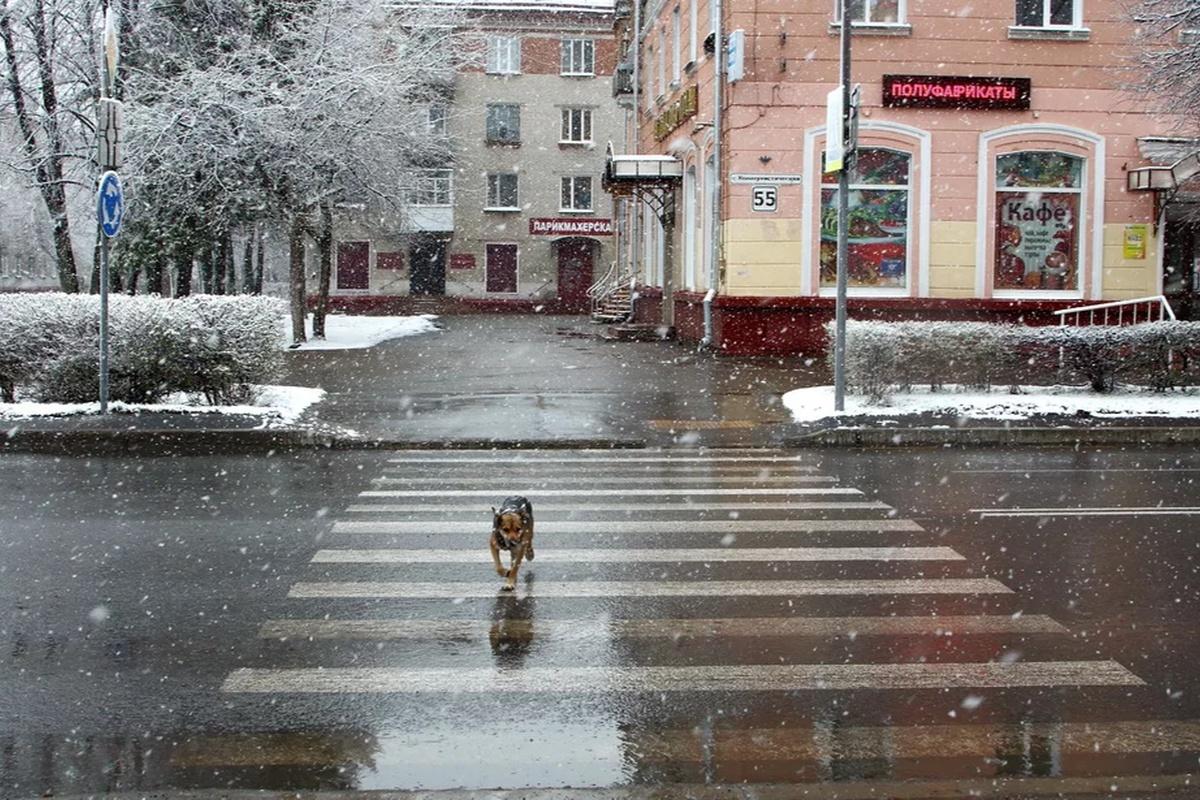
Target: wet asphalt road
904 623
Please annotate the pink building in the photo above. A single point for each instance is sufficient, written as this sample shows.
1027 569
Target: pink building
1000 172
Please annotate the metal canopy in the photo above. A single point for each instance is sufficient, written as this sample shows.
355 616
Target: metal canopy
649 178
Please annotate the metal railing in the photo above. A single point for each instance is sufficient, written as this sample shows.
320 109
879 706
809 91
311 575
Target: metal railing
1120 312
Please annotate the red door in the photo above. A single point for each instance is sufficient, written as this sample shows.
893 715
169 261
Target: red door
501 268
574 273
354 265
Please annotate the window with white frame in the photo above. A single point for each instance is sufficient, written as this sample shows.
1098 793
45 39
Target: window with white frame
662 62
576 125
438 114
502 191
1039 202
694 30
578 57
878 223
1049 13
872 12
503 123
431 187
576 193
676 45
504 55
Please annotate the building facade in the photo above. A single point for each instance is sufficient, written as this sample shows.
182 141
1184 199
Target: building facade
516 219
997 174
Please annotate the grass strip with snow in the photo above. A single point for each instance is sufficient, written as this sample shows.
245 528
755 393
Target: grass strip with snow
275 404
816 403
343 332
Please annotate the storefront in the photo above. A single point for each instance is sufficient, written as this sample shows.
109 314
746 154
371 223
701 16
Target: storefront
990 182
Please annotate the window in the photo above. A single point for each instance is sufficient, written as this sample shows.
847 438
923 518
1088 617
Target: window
676 47
878 224
694 29
578 57
1049 13
502 191
504 123
437 119
500 262
504 55
1038 200
873 12
576 194
662 62
648 88
431 187
576 125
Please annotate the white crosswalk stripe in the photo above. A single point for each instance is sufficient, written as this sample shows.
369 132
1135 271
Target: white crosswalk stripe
754 557
583 629
724 678
691 527
722 589
648 554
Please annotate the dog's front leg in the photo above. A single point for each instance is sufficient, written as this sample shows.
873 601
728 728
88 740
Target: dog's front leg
496 556
518 553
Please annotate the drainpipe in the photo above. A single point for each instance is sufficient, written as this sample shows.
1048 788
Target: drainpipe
714 247
633 207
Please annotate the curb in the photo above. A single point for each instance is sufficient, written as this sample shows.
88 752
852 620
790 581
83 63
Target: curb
993 437
209 441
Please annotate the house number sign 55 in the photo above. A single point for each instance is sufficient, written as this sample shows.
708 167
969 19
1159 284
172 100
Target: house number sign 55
764 198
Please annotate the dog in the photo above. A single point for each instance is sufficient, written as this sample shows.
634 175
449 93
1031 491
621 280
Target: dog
512 530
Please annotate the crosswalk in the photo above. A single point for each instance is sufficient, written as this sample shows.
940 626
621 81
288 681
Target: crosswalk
714 615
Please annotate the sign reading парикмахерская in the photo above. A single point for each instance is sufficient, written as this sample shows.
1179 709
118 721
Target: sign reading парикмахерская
569 226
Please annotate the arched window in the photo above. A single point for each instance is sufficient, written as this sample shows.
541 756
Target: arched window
878 227
1039 203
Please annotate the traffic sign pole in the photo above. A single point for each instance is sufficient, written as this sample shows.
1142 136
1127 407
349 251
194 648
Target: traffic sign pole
110 203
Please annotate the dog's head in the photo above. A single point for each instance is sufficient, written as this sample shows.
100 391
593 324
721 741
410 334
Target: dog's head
509 524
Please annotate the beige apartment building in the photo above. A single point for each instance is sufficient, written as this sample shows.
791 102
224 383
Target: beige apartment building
517 220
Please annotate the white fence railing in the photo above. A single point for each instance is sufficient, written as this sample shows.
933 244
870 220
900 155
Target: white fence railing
1119 312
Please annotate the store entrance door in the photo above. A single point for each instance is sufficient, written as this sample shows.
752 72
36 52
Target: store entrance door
1180 275
427 266
574 273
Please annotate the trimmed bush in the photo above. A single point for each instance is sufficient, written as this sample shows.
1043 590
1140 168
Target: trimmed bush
214 346
884 357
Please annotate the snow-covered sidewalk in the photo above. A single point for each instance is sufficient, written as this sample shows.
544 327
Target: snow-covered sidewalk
816 403
344 332
277 405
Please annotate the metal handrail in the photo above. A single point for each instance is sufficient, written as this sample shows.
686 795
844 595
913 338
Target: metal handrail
600 287
1165 312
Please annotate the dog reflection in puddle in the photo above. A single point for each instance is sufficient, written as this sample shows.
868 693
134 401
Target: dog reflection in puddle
511 633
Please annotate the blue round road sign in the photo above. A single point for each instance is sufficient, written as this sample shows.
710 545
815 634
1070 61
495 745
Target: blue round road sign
110 204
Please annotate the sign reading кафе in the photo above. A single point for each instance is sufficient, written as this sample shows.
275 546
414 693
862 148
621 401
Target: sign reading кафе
951 91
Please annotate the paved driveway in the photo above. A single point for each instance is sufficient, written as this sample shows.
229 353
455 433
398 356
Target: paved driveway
547 379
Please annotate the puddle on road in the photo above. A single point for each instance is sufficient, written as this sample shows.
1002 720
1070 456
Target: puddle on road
588 752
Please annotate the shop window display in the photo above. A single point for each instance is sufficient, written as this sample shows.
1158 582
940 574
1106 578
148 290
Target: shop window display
878 222
1038 201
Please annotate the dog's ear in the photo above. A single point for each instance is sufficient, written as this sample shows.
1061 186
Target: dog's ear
495 518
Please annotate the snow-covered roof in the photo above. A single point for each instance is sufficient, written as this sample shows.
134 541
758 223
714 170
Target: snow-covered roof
1164 150
542 6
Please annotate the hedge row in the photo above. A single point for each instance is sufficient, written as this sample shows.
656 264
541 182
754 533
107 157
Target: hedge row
213 346
884 357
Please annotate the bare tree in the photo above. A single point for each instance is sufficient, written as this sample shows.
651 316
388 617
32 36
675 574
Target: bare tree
1168 57
31 73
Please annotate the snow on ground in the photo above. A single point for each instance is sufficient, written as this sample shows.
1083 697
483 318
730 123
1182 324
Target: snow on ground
275 404
351 333
816 403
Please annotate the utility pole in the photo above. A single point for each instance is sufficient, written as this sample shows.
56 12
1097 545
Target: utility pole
846 136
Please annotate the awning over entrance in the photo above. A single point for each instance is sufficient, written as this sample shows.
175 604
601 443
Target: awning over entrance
650 178
1179 161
